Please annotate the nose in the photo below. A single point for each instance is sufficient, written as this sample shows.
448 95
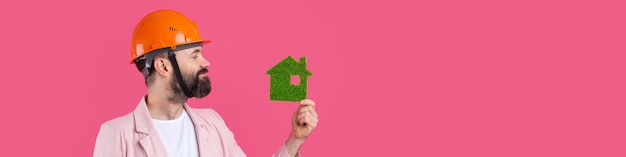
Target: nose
205 63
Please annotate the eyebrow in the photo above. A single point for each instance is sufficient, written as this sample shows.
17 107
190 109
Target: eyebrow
195 51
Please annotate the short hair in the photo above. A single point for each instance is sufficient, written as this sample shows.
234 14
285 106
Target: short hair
142 64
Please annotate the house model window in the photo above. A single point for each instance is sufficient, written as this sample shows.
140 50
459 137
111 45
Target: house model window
295 80
288 81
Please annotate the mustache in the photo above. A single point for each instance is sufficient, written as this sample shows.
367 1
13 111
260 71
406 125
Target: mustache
202 71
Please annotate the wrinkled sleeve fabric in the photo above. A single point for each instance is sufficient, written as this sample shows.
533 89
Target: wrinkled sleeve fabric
236 151
107 142
282 152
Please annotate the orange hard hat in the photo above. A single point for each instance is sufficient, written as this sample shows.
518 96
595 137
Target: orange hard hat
163 29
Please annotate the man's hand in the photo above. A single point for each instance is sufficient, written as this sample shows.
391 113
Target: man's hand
304 120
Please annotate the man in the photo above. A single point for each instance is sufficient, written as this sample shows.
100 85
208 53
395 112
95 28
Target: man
167 48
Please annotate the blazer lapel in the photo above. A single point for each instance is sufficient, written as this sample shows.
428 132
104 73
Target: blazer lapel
201 132
150 140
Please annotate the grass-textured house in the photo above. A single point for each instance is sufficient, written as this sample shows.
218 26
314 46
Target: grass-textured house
282 87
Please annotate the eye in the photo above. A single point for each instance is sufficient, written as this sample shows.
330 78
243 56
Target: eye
195 57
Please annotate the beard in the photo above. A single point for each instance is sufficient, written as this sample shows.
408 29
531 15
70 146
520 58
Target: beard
200 86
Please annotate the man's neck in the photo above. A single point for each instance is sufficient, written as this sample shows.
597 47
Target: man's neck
161 108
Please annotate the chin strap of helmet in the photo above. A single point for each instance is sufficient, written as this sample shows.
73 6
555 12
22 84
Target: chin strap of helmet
179 76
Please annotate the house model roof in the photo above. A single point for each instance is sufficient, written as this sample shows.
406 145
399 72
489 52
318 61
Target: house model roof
290 66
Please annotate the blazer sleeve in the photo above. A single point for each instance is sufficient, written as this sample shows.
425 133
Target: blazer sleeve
236 151
282 152
107 143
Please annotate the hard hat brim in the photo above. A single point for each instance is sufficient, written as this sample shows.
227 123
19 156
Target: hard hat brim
204 41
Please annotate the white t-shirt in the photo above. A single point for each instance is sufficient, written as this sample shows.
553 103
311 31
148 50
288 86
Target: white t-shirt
178 135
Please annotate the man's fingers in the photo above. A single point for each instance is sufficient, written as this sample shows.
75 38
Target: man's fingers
306 118
304 121
301 122
312 123
305 109
311 113
307 102
304 114
308 121
314 114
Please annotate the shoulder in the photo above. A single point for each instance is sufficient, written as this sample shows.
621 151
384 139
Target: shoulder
118 124
110 137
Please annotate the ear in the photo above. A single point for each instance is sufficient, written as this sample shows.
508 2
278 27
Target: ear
162 66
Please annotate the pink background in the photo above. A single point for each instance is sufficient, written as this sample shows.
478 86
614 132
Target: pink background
391 78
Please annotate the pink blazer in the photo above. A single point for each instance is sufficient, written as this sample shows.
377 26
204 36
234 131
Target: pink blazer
134 135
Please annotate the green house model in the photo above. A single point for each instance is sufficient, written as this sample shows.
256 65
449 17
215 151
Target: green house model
288 80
